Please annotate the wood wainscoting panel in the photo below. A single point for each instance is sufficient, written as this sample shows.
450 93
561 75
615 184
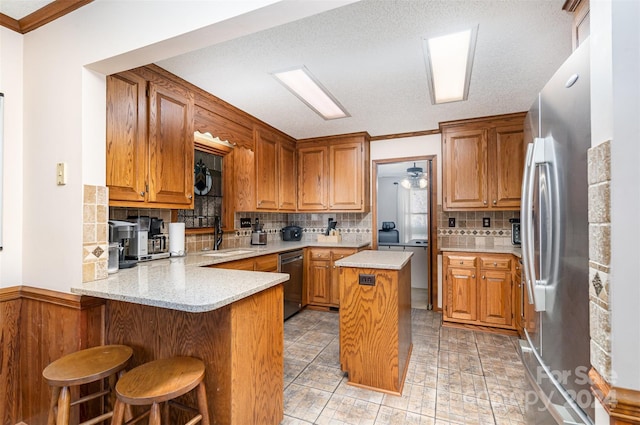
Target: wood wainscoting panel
10 303
37 327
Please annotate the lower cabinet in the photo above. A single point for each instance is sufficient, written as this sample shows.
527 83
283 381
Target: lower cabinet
479 289
263 263
322 275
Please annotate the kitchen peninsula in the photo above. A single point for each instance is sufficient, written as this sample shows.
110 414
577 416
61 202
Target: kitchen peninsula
231 319
375 319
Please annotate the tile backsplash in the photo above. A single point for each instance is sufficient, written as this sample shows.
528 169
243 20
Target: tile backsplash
469 231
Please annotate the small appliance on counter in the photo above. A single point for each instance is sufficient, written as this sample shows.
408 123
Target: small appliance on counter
149 243
291 233
388 233
121 233
258 236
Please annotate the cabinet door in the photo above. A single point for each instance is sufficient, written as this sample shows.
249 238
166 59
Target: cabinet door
312 178
508 154
170 145
337 254
319 282
495 297
346 176
462 296
244 178
465 169
266 171
126 137
288 176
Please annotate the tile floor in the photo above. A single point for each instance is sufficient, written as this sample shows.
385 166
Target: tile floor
455 376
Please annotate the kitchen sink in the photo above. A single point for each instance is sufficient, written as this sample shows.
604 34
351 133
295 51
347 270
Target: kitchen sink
228 253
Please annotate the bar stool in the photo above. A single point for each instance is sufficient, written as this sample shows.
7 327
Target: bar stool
83 367
161 381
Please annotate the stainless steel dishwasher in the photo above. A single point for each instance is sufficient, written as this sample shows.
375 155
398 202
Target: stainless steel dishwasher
292 263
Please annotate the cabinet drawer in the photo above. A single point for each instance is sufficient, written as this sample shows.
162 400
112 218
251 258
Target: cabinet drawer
246 264
320 254
339 254
462 261
495 263
266 263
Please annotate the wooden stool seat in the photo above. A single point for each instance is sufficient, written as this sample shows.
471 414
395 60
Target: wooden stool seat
162 381
83 367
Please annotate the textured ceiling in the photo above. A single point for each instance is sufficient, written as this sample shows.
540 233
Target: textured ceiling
18 9
369 55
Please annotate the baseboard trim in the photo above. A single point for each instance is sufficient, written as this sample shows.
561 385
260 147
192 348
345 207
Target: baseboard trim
622 404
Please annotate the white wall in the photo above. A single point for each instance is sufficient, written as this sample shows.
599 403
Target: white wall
625 191
11 48
409 147
64 109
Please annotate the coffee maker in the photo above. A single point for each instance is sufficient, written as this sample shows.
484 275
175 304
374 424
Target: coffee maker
149 243
121 233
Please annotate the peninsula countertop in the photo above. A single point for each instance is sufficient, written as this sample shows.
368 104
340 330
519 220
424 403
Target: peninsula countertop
386 260
187 284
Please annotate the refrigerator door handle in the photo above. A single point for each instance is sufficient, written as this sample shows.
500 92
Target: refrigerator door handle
525 219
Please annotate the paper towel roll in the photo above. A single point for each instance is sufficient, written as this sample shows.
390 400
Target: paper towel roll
176 239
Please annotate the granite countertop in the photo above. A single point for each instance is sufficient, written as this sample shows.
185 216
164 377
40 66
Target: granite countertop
502 249
186 284
388 260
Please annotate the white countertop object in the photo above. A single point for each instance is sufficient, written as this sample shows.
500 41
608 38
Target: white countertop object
388 260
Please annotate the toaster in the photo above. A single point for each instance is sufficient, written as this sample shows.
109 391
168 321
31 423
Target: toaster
291 233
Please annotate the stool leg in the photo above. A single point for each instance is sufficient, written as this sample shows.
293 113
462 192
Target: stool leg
64 406
118 413
51 420
154 416
202 403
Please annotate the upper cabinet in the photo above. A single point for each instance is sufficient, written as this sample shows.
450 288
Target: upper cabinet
483 163
149 141
333 173
275 172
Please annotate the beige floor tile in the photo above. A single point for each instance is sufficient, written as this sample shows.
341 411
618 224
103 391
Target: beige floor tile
342 410
304 402
390 416
315 337
344 389
302 352
292 368
320 377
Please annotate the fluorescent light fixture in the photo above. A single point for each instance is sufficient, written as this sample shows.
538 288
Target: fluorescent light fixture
449 59
309 90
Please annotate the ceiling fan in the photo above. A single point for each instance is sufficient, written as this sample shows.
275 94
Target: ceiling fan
416 178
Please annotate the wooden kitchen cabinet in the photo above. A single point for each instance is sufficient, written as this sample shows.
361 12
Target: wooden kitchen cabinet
333 173
483 163
275 172
262 263
149 141
479 289
323 276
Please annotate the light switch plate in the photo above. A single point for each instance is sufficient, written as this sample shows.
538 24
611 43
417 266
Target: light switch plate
486 222
61 173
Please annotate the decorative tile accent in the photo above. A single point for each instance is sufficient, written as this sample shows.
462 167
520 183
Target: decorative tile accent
599 176
597 284
94 233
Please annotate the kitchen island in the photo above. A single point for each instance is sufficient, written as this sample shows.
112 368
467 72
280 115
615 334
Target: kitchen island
231 319
375 319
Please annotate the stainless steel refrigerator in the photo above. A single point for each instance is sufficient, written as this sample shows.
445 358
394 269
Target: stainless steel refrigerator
555 247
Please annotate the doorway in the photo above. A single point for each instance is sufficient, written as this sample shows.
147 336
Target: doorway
405 218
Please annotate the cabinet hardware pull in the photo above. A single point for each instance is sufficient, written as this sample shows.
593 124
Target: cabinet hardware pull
473 276
485 202
141 193
495 264
483 276
495 202
461 262
189 196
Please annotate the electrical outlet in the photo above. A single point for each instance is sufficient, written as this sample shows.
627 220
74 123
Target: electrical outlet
367 279
452 222
245 223
486 222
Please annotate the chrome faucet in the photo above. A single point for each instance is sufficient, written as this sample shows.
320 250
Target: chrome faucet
217 233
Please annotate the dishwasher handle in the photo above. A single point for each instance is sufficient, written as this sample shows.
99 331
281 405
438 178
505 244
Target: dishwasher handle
291 260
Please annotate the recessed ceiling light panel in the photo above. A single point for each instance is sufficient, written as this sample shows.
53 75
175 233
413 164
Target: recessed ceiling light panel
309 90
449 59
